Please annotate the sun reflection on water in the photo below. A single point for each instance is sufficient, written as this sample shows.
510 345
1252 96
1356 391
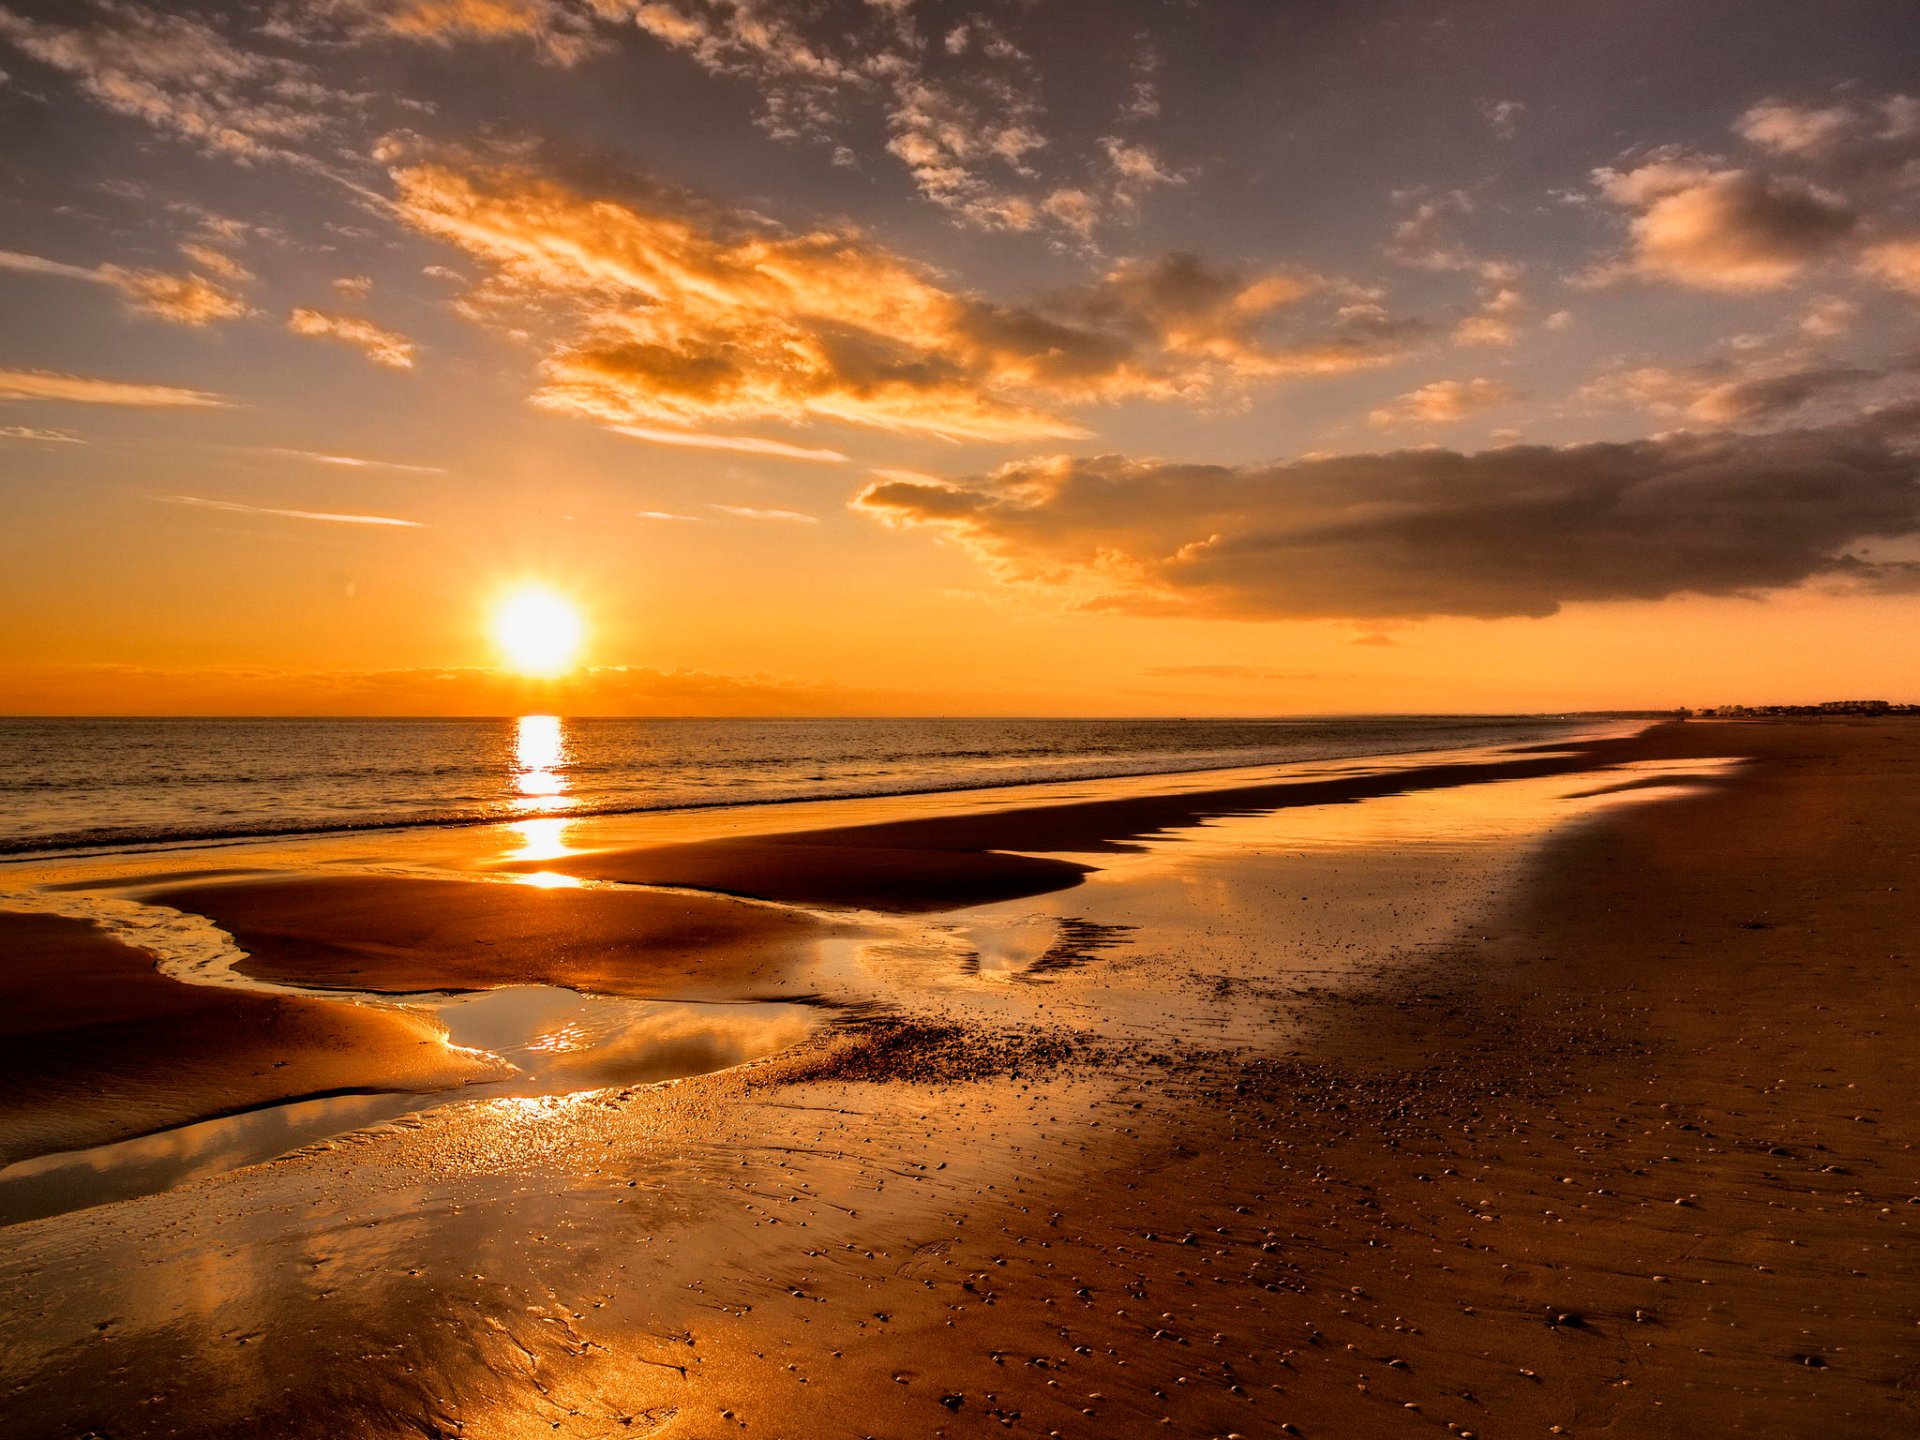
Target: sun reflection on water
550 880
540 758
541 839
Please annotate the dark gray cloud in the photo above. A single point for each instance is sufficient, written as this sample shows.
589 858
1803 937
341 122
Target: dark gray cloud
1519 531
1752 391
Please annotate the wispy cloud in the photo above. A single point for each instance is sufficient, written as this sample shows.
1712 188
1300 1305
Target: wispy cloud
182 76
34 433
1753 389
747 444
665 515
90 390
752 512
382 347
1502 115
237 508
183 299
353 462
40 265
560 33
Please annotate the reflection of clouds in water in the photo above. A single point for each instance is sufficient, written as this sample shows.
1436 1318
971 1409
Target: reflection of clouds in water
677 1044
49 1184
563 1042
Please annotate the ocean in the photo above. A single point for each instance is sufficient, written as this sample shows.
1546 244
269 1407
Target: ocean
103 784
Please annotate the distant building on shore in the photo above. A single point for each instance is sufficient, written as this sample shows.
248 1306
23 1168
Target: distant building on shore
1828 707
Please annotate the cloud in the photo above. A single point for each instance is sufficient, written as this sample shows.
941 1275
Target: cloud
1895 263
668 313
181 76
560 34
966 131
1425 237
89 390
382 347
354 462
1444 401
42 436
1828 317
962 111
1724 229
237 508
1858 138
183 299
1817 183
665 515
1753 392
1502 115
39 265
750 512
1496 323
215 262
747 444
599 690
1519 531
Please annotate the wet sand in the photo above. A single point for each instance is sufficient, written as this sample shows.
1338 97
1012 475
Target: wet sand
96 1045
947 861
402 935
1633 1153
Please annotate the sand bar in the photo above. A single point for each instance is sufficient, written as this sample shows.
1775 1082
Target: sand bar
399 935
99 1046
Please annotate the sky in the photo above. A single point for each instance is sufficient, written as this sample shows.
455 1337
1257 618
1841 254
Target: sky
902 357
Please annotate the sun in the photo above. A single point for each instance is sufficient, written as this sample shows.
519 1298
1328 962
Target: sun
538 632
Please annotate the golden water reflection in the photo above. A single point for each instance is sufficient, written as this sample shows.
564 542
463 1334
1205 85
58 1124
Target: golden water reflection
540 757
541 839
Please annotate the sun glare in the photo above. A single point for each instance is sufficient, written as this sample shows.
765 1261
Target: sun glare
538 632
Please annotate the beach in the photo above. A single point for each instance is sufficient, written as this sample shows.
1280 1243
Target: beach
1560 1088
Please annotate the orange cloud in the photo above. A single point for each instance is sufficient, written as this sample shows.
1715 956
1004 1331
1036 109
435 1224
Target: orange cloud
562 34
1444 401
601 690
1895 263
679 314
329 517
1725 229
182 299
89 390
382 347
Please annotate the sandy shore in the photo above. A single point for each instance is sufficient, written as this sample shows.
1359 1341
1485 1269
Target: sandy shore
1632 1152
396 934
95 1045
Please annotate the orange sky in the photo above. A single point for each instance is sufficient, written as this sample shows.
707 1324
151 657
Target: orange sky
976 366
